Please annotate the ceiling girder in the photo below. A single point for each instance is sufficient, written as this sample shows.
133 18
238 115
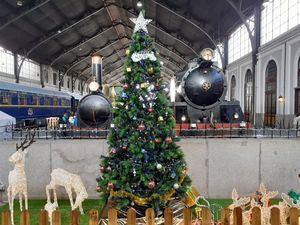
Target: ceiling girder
14 17
189 20
62 29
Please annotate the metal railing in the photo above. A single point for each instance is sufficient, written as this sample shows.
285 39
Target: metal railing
11 132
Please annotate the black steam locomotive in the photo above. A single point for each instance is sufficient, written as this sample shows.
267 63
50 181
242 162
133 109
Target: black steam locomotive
201 89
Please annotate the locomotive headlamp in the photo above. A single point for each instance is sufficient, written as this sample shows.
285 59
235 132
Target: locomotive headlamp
94 86
183 118
236 116
207 54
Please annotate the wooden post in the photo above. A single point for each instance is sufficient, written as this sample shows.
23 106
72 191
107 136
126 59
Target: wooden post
43 217
237 216
256 216
75 217
56 217
206 216
187 216
294 215
168 215
131 217
150 216
25 218
112 217
5 218
225 220
275 216
94 217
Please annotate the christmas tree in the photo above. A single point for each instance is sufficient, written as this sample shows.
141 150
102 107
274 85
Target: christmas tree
144 167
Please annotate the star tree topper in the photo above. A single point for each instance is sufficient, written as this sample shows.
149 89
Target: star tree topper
140 23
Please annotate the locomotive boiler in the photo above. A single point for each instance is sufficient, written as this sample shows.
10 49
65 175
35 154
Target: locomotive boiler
201 89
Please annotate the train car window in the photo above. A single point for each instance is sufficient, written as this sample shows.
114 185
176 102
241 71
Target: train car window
35 100
55 102
22 99
6 98
47 101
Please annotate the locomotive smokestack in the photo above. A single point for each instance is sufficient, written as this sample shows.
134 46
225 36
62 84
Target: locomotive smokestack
97 69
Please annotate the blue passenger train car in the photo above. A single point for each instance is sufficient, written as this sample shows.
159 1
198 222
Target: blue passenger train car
31 103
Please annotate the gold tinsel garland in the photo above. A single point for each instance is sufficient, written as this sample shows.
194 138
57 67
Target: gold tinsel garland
144 201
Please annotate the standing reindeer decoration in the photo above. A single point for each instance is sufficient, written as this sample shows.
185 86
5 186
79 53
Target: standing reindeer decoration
60 177
17 182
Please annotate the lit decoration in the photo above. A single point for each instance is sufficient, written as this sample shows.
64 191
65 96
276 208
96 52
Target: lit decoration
108 169
61 177
127 52
128 69
172 90
142 55
261 199
156 141
124 147
17 181
140 23
144 85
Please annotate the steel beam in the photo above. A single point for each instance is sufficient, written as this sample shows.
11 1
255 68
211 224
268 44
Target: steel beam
14 17
194 24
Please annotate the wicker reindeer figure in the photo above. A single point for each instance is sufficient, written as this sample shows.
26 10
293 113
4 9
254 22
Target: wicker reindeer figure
60 177
17 182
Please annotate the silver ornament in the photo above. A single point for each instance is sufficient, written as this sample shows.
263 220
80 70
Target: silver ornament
176 186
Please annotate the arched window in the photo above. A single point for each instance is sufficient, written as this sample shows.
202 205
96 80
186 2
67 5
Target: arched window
248 96
270 94
297 91
232 88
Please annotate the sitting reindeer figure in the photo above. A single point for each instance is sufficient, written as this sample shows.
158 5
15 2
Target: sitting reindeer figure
60 177
17 182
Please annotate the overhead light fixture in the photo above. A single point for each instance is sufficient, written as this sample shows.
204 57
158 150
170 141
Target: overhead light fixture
139 4
80 49
161 63
59 31
19 3
183 118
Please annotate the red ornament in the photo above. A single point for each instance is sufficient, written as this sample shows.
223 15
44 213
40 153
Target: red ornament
151 184
168 140
113 151
125 86
141 127
156 140
124 147
110 185
150 110
98 188
102 169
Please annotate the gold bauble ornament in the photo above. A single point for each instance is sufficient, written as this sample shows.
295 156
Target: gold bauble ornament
144 85
127 52
128 69
160 118
151 71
